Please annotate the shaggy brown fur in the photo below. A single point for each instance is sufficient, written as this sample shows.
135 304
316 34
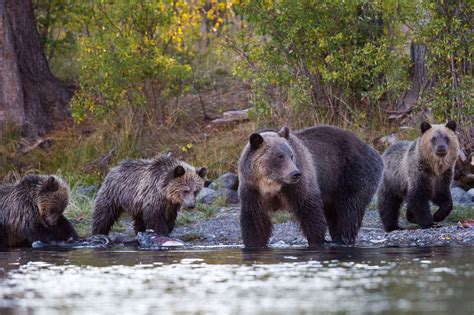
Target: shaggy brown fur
32 210
150 191
325 175
419 171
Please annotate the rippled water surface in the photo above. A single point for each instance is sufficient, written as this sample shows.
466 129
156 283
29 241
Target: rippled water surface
234 281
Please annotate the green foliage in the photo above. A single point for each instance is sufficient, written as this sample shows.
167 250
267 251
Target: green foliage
134 53
446 29
344 52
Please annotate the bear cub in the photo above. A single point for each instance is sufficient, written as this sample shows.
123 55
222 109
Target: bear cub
324 175
32 210
418 172
151 191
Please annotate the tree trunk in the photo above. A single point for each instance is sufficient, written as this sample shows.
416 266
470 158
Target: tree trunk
418 77
30 96
11 95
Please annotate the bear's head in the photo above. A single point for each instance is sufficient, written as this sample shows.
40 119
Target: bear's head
439 144
273 159
52 200
185 183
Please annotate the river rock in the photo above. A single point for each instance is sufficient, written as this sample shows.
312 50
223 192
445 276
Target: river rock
231 195
206 196
227 180
460 196
471 193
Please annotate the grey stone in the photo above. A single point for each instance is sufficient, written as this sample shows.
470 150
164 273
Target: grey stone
207 196
231 196
471 193
227 180
460 196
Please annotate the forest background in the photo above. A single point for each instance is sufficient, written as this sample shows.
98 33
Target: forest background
85 84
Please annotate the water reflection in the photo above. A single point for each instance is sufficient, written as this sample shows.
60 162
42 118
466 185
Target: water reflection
236 281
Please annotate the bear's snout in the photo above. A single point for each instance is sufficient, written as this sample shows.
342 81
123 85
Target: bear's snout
190 205
441 150
296 175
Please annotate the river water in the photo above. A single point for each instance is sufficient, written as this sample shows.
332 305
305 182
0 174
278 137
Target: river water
338 280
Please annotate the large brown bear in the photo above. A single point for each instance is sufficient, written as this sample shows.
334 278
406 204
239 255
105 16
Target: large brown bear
325 175
151 191
32 210
419 171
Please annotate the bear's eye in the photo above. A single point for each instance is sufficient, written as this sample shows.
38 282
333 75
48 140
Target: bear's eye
186 191
281 157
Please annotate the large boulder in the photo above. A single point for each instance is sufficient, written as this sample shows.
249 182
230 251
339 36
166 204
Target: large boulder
227 180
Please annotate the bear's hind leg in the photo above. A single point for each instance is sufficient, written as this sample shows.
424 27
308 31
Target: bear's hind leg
349 213
389 203
105 215
410 216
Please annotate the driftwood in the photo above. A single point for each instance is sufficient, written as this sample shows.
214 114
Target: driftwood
232 117
101 163
28 146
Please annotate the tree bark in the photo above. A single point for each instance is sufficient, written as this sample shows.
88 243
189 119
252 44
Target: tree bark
11 96
31 97
418 77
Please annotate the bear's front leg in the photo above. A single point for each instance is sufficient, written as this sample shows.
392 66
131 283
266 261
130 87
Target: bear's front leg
443 197
445 203
64 230
419 205
310 214
255 220
155 220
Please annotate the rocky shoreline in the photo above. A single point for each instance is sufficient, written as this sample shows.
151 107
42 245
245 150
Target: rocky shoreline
224 229
216 222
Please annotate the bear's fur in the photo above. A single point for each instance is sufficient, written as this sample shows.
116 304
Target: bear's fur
419 171
325 175
151 191
32 210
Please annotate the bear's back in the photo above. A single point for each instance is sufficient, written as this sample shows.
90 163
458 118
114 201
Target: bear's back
340 155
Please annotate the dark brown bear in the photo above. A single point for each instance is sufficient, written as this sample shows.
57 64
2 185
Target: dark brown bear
325 175
151 191
32 210
419 171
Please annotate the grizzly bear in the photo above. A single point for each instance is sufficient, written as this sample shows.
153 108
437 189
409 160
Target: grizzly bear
324 175
32 210
151 191
419 171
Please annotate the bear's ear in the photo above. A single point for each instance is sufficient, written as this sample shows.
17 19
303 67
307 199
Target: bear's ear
284 132
50 185
179 171
424 126
451 125
255 140
202 172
